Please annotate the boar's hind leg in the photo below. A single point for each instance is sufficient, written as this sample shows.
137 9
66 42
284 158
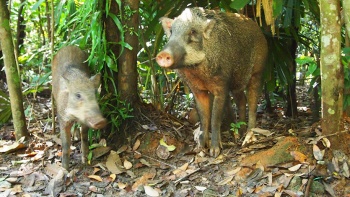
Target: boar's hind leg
253 92
65 128
202 99
84 143
241 102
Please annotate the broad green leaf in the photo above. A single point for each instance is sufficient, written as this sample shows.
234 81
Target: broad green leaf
239 4
277 8
37 4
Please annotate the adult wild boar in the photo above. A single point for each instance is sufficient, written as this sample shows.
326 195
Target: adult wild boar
216 53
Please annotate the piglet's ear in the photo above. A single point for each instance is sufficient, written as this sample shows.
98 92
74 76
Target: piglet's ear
207 31
96 80
166 23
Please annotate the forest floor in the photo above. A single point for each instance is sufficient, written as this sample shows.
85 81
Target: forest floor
283 157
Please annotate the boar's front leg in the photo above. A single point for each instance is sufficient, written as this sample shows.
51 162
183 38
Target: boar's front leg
202 99
84 143
219 102
65 128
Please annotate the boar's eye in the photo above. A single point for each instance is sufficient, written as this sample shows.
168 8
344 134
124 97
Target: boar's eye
193 32
78 96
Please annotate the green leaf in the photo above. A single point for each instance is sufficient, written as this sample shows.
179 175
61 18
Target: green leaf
37 4
239 4
170 148
5 108
277 8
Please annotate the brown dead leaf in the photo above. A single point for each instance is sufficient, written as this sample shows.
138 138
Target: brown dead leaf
100 151
150 191
17 189
181 169
318 153
93 188
121 185
95 177
127 164
137 155
142 180
13 147
262 131
122 149
144 162
225 180
298 156
136 145
96 170
113 177
113 163
234 171
295 168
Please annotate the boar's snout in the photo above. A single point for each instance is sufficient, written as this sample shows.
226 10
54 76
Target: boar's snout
165 59
96 122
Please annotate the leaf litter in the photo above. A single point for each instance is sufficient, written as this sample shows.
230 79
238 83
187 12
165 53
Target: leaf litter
274 161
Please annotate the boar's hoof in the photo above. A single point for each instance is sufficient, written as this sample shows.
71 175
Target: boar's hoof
204 140
214 151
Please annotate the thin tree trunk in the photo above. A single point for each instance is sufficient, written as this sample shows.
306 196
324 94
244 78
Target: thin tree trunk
12 75
291 90
127 68
332 72
346 12
112 36
21 26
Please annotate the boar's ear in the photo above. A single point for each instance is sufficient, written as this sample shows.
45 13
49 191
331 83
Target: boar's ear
166 23
96 80
209 27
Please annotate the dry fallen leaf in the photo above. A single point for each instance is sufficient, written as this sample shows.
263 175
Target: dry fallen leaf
200 188
127 164
113 177
225 180
144 162
113 163
150 191
95 170
262 131
121 185
326 142
142 181
181 169
122 149
248 138
13 147
295 168
96 177
318 154
136 145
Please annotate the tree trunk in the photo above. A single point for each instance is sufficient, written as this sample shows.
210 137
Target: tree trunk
13 78
332 72
346 16
112 37
346 13
127 68
291 90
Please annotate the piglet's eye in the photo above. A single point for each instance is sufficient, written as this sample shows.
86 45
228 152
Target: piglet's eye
78 96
